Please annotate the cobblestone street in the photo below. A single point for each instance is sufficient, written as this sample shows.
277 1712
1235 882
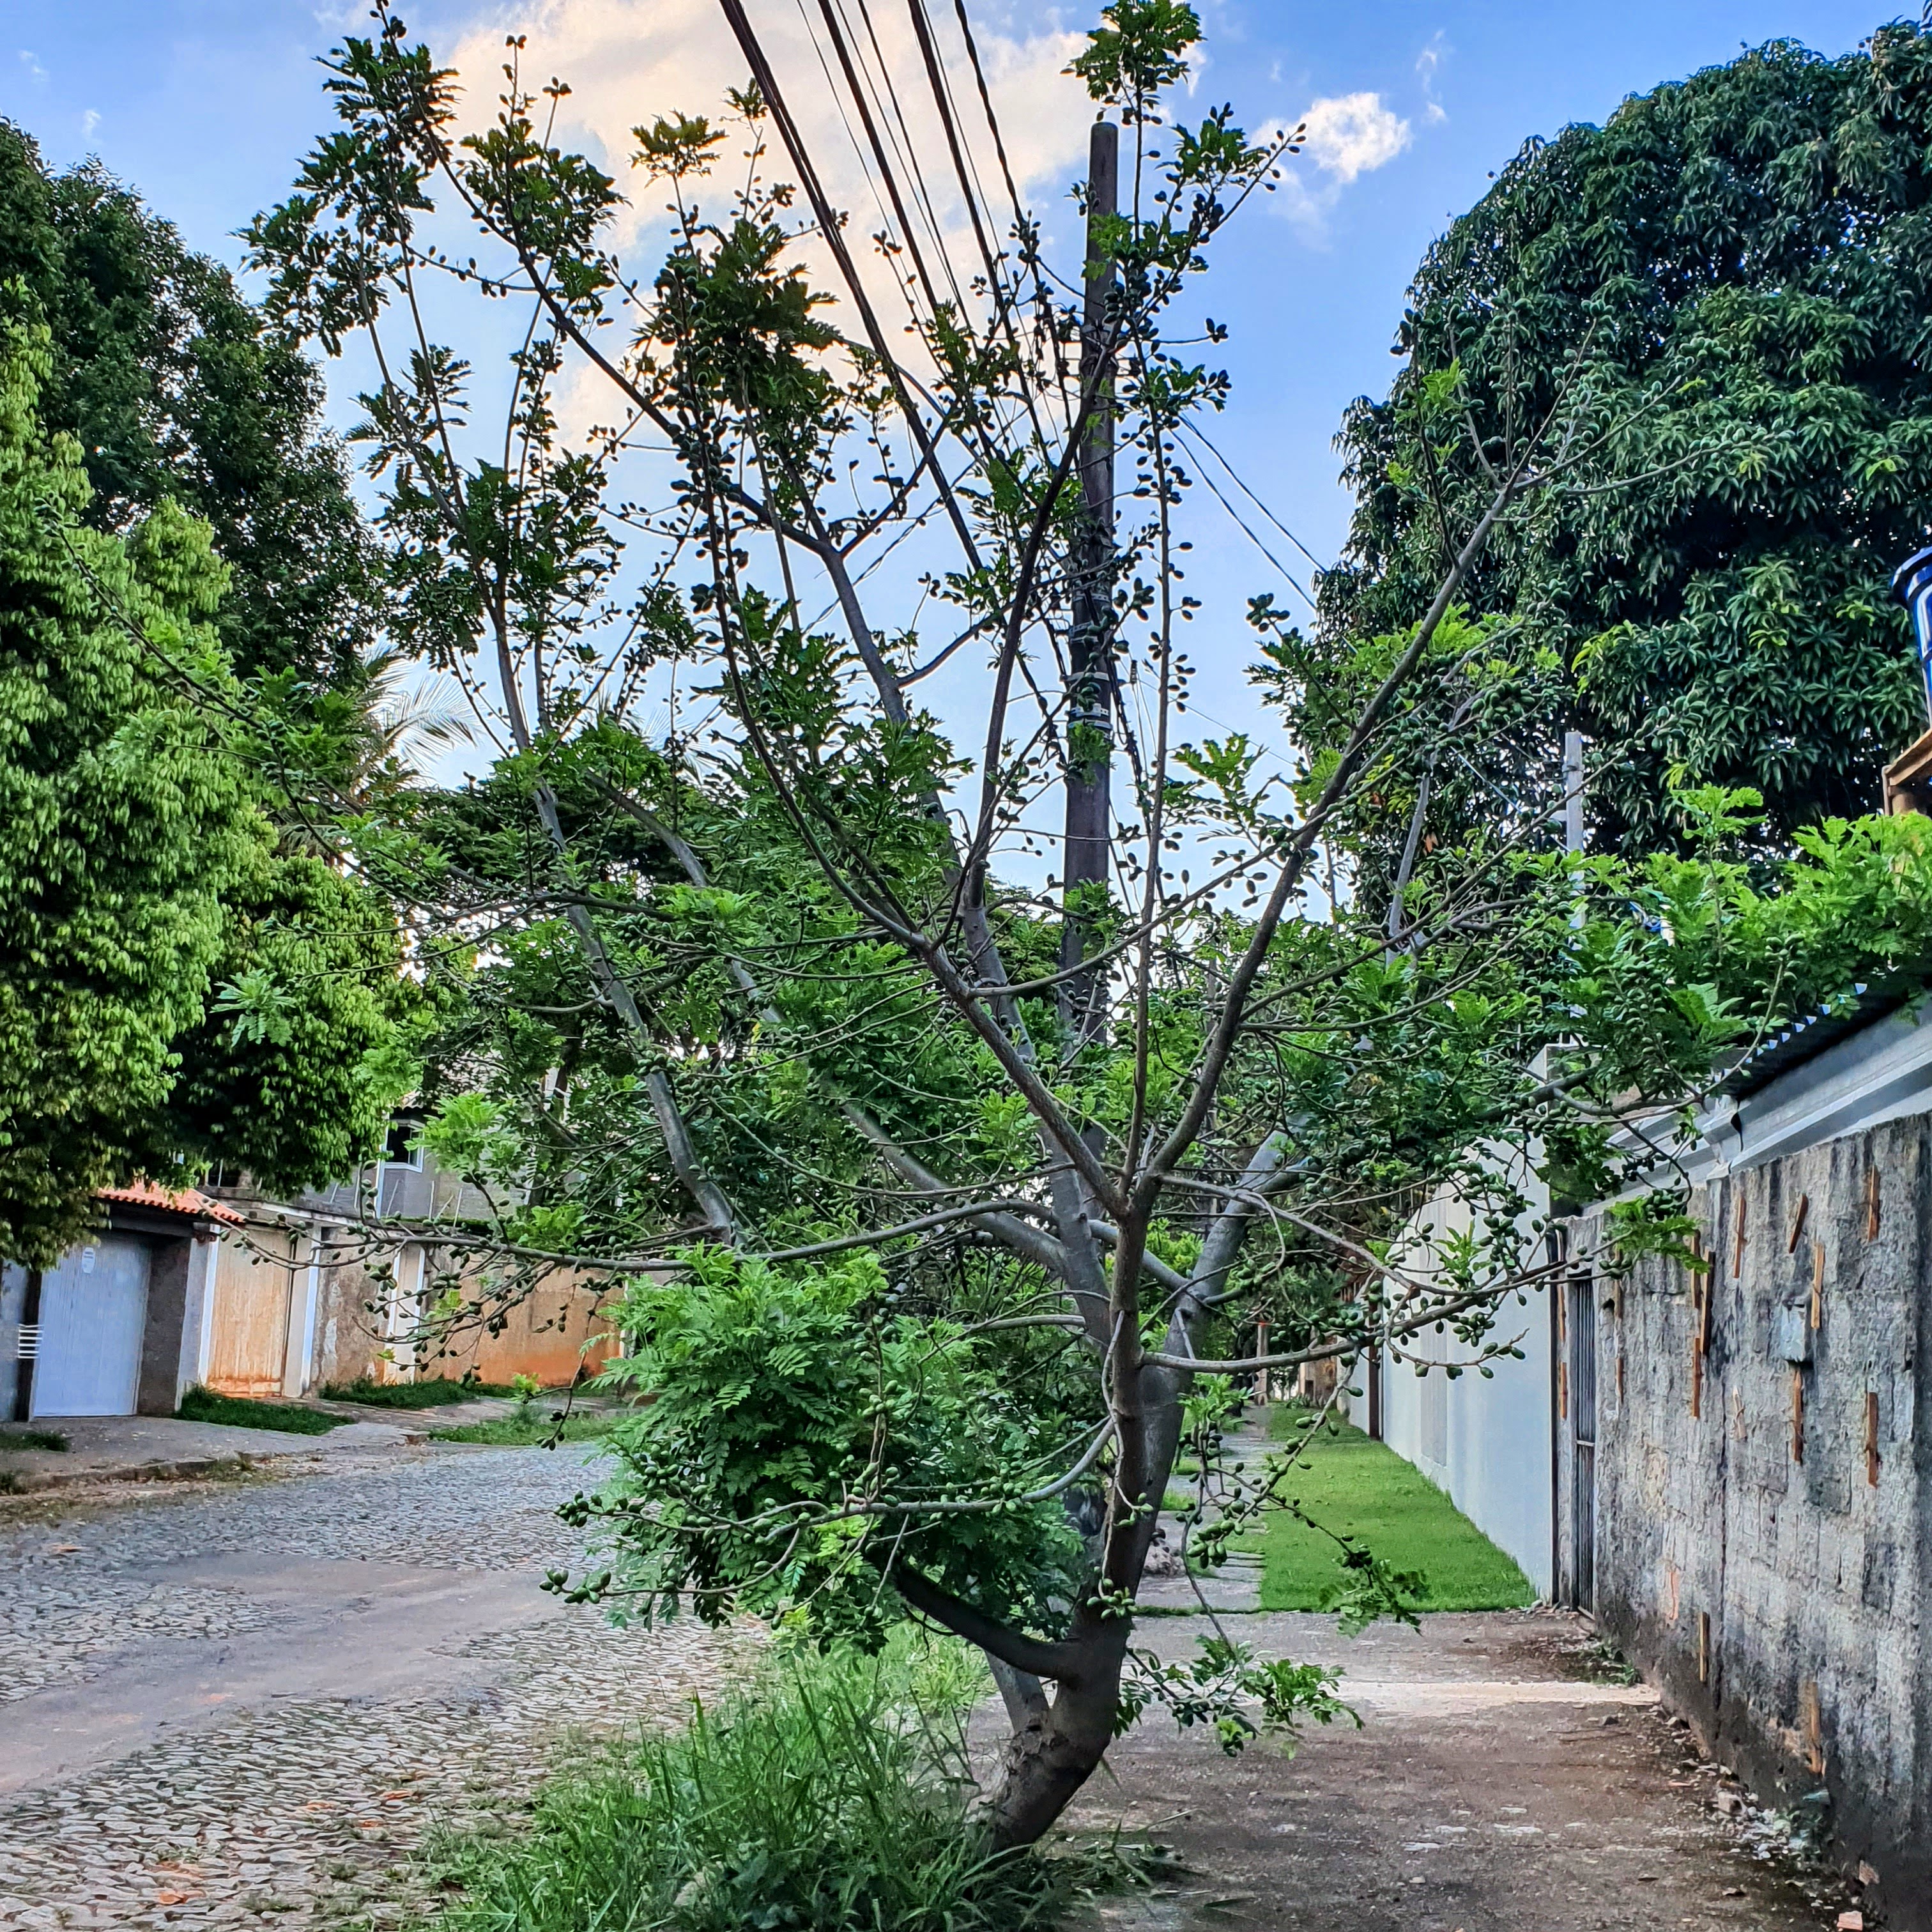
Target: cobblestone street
244 1703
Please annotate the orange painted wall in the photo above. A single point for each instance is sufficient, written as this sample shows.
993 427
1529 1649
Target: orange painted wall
552 1332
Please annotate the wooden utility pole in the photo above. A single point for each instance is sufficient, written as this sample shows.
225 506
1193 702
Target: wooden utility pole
1089 697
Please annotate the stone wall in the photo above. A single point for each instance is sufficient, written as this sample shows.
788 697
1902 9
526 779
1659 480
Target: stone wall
1763 1519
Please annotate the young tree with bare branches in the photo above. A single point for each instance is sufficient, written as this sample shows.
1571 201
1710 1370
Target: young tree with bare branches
953 1090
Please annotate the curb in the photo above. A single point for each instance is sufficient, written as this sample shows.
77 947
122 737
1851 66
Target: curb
33 1482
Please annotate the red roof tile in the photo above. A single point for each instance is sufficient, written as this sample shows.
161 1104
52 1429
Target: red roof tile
174 1200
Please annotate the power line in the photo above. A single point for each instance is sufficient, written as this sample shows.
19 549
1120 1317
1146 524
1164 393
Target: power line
1201 437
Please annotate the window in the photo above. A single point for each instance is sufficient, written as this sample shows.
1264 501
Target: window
397 1150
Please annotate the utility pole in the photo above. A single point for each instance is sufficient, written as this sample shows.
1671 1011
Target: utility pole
1090 696
1573 792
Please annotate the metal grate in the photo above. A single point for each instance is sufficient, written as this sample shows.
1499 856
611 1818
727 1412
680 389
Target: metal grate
29 1346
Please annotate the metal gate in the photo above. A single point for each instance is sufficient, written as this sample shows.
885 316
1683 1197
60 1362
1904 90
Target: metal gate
1581 1326
93 1319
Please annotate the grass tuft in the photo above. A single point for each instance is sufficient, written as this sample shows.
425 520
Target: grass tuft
834 1801
526 1432
1365 1490
435 1393
19 1439
236 1411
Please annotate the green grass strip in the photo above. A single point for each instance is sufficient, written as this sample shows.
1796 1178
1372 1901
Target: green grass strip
235 1412
511 1431
1364 1489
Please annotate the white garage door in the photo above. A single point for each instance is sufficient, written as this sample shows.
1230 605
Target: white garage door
94 1309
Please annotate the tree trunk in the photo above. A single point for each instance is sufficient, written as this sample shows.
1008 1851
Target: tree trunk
1049 1759
1053 1752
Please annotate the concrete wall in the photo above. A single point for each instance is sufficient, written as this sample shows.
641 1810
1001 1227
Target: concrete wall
1484 1439
355 1300
365 1323
170 1268
1763 1517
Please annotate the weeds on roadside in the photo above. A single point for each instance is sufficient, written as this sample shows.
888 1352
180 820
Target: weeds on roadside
17 1439
235 1412
834 1798
1603 1663
529 1431
432 1392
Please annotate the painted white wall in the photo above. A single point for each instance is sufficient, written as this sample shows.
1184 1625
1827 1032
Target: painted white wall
304 1290
1484 1439
405 1312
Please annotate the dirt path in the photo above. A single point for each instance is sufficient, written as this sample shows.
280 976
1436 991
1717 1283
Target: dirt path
243 1704
1489 1790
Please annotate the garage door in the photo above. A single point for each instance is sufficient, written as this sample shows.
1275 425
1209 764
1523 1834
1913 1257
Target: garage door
94 1309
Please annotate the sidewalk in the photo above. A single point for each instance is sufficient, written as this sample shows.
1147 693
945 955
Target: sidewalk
151 1448
1490 1789
1237 1585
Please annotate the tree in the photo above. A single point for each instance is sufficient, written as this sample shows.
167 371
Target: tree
1739 267
168 381
946 1192
172 989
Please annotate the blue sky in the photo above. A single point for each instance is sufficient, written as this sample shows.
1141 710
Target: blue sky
205 105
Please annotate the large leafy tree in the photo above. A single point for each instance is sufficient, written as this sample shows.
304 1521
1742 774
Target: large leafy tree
174 988
1738 267
172 387
963 1176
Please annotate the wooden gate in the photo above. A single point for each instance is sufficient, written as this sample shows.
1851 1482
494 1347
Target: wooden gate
254 1291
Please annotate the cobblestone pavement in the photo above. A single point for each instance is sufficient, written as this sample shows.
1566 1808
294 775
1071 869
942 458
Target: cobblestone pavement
245 1704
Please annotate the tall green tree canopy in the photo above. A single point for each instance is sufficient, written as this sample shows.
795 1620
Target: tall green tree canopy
173 387
1736 270
174 988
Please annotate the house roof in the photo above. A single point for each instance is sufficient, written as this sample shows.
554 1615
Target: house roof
172 1201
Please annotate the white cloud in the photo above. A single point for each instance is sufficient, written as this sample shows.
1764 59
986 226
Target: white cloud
1428 65
89 120
627 62
1344 135
34 70
1349 134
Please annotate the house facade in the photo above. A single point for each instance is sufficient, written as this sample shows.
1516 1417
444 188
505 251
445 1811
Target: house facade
116 1328
262 1297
